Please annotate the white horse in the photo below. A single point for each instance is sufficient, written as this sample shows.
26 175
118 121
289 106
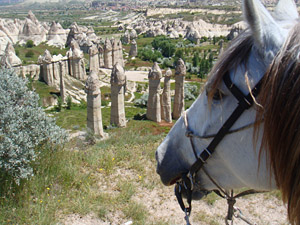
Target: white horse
240 160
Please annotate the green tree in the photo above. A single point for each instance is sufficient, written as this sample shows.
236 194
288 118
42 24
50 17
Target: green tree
29 44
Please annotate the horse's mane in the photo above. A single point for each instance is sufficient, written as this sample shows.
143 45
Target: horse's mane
234 55
280 98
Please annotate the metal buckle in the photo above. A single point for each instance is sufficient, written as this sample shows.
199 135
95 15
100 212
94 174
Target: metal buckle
189 133
208 153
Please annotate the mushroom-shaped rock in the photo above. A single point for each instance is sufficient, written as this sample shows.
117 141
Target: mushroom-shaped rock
94 115
118 82
153 105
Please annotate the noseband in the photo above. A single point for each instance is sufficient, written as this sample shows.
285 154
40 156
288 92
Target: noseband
186 184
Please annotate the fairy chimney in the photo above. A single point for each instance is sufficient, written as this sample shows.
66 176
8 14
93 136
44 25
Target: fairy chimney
108 54
62 83
94 115
76 61
101 56
180 73
153 105
10 59
118 81
166 111
47 72
133 49
94 59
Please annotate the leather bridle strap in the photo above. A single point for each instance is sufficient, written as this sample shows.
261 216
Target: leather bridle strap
245 102
188 179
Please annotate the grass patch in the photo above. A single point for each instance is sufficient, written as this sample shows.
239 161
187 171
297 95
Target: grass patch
36 52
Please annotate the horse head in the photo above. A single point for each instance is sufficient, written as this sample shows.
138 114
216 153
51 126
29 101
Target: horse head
237 161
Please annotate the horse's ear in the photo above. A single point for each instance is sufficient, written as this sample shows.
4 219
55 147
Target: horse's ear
286 10
267 33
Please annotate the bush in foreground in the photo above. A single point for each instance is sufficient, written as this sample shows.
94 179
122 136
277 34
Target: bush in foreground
25 129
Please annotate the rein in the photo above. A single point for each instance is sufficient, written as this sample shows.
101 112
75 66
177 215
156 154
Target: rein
187 181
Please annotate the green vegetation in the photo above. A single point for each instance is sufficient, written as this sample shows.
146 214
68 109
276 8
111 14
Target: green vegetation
30 55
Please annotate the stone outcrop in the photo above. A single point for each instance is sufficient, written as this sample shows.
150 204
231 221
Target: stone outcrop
166 111
108 63
175 28
57 36
62 74
133 49
94 115
32 30
10 59
153 105
94 59
76 62
101 56
180 73
118 82
52 67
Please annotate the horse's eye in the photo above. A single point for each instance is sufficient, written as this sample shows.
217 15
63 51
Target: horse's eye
218 95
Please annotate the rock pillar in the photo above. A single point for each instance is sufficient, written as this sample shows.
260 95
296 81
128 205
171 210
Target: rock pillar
166 111
76 60
108 54
46 60
153 105
62 84
180 73
94 59
133 49
118 81
101 57
94 116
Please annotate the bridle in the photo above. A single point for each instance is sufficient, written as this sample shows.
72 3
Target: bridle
187 181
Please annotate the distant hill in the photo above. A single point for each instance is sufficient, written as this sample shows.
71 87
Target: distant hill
10 2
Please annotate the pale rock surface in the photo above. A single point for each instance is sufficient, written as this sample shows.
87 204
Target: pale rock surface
118 82
94 59
57 36
76 61
101 56
133 49
10 59
166 111
108 54
153 105
94 115
180 72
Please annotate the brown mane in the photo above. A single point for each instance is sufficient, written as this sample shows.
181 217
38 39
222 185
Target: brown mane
280 98
235 54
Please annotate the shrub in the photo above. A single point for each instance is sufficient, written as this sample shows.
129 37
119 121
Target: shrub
25 130
142 102
29 44
190 92
29 54
69 102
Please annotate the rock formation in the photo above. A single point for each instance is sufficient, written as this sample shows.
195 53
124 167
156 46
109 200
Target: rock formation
32 30
57 36
10 59
180 73
94 59
47 67
108 54
76 61
166 111
133 49
62 83
101 56
94 115
118 81
153 105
